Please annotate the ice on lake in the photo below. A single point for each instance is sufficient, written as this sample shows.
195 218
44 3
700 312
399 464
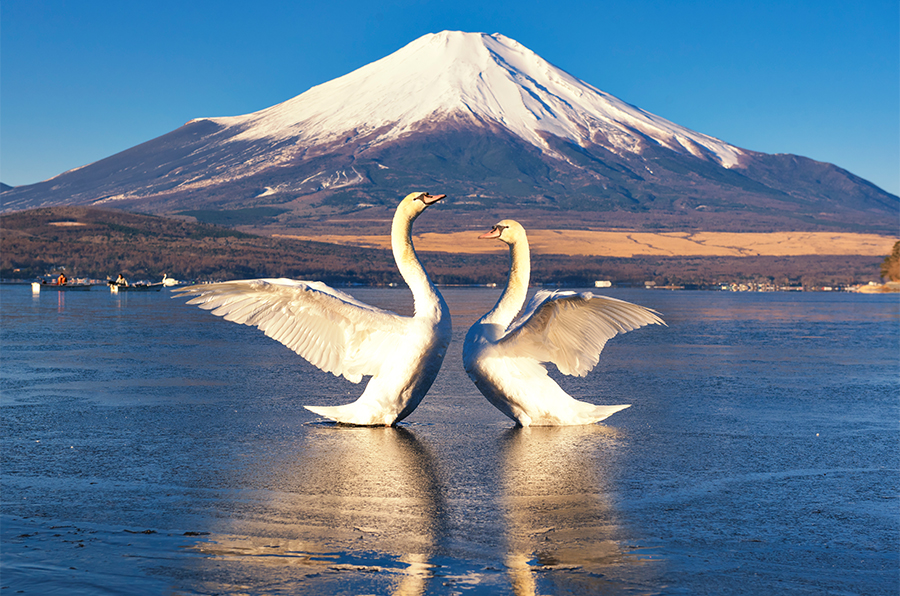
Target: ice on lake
149 447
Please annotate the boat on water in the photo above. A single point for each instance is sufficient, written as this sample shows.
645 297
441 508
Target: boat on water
138 287
121 285
37 287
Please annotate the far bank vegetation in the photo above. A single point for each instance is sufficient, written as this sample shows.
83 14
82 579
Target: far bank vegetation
98 243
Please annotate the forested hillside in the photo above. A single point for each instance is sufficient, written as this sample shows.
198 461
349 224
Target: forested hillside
99 243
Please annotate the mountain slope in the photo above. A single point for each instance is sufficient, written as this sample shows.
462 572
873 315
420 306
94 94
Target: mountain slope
477 79
485 120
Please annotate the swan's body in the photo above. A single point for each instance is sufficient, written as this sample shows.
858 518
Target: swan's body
506 359
345 337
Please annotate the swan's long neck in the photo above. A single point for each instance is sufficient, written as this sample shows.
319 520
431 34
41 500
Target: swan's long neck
513 296
426 299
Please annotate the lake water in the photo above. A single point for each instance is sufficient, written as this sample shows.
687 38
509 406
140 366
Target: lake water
149 447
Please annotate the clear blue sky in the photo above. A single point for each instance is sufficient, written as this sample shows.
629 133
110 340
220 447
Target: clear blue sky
82 80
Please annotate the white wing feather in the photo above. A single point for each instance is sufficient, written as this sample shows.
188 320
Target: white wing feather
570 329
330 329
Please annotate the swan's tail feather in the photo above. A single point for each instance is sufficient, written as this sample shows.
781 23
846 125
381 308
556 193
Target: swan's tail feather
351 414
599 413
576 413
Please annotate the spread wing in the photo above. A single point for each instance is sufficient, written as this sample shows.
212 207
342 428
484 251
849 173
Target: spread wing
570 329
330 329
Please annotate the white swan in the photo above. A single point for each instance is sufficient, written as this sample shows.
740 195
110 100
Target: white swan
343 336
506 359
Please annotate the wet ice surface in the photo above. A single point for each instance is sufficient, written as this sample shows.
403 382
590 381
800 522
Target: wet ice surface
149 447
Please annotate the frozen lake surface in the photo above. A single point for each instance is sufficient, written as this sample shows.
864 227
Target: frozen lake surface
149 447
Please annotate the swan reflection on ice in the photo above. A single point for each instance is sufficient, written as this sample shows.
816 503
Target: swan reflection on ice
560 523
358 506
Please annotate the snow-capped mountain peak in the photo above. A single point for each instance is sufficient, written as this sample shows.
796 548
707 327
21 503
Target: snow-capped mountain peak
481 117
483 79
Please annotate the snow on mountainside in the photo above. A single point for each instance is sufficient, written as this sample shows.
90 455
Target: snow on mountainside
477 77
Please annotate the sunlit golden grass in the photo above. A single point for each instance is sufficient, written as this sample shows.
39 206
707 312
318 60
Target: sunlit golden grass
630 244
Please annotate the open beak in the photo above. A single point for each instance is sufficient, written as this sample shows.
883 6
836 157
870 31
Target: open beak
493 233
431 200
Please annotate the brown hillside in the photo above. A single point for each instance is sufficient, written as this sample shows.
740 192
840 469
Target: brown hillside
98 243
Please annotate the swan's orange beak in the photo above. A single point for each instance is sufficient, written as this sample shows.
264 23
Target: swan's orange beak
493 233
431 200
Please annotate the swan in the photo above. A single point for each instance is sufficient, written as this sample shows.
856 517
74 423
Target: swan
343 336
505 359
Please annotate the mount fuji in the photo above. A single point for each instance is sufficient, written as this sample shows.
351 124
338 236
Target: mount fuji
488 122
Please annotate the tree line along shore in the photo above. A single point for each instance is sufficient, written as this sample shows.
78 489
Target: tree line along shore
96 243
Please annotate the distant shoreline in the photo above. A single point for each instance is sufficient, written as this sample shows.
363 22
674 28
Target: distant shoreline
98 243
871 288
